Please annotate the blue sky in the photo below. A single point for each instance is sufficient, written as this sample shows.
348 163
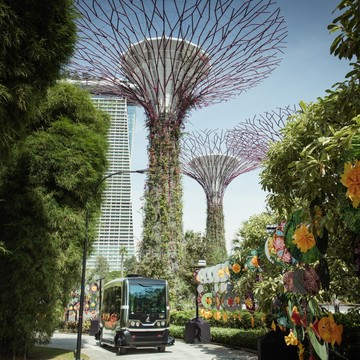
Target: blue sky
306 71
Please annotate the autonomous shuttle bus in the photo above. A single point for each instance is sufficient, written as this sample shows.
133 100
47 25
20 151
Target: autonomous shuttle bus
135 313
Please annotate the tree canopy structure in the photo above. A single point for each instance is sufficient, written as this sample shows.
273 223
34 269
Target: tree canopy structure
252 138
170 57
206 158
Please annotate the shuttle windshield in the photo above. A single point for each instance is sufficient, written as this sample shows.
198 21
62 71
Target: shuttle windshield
147 298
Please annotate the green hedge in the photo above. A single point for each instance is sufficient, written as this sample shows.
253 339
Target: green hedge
226 336
237 320
181 317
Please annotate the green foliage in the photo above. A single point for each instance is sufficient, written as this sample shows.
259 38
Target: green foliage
252 232
46 186
181 317
350 345
37 39
192 249
72 326
241 319
100 271
236 338
346 44
215 234
304 171
162 228
251 236
177 331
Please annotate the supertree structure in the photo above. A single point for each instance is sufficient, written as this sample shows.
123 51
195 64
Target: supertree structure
206 158
170 56
252 138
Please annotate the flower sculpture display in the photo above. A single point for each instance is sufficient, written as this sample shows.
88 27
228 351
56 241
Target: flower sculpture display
296 312
351 179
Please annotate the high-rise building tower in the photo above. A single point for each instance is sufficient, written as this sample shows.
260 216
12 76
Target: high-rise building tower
115 228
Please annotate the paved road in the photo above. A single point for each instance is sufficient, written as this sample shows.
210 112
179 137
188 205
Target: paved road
179 351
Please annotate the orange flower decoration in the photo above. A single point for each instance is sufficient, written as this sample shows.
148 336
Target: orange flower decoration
236 268
351 179
303 239
329 330
255 261
217 315
225 317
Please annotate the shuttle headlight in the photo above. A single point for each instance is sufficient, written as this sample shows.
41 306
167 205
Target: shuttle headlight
163 323
134 323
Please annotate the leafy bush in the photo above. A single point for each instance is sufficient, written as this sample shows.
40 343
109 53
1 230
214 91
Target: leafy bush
236 337
177 331
181 317
226 336
72 326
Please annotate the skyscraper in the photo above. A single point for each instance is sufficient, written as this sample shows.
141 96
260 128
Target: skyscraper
115 228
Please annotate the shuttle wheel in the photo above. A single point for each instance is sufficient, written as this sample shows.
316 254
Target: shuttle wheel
161 348
122 351
100 340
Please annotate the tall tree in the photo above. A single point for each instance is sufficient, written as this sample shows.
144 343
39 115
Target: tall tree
48 185
37 39
305 170
347 43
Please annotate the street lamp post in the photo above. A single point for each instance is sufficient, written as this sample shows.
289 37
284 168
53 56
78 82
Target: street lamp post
270 228
82 289
201 264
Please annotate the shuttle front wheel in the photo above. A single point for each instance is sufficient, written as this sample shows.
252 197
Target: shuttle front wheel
122 351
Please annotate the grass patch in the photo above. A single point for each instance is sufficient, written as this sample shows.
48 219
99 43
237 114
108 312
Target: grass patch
48 353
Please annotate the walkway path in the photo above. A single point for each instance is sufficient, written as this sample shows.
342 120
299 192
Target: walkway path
180 351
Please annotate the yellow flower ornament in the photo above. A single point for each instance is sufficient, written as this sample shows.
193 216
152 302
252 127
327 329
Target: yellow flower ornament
291 339
303 238
351 179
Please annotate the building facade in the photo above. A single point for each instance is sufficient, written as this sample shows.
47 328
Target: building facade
115 226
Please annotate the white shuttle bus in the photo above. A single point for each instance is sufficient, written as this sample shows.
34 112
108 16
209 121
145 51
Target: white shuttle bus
135 313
